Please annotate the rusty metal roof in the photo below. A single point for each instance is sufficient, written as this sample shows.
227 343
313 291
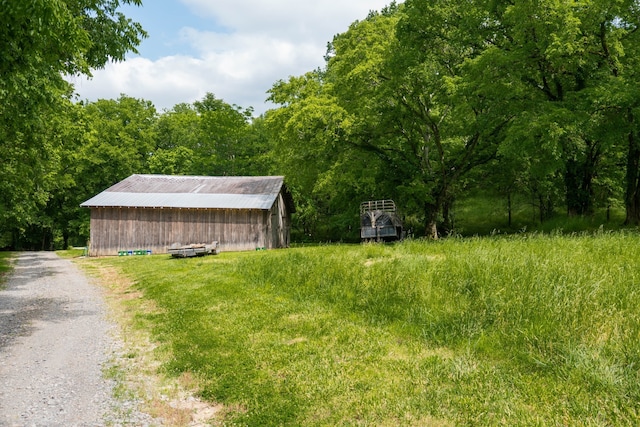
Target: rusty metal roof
191 192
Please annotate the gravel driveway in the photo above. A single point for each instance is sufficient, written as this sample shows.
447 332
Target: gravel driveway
54 343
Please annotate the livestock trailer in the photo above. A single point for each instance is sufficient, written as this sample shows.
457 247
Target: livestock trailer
379 221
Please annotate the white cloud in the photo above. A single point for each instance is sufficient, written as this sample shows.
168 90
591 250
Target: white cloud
310 20
165 82
262 43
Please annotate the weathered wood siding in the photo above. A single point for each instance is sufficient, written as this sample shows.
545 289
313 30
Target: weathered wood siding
120 229
279 224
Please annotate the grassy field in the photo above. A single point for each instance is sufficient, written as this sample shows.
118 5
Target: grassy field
521 330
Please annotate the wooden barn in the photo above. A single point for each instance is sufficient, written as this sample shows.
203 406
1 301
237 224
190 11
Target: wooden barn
154 212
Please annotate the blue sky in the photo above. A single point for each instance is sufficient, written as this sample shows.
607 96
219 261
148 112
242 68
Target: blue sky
235 49
163 20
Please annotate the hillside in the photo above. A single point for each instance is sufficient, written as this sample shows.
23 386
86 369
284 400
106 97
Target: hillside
524 330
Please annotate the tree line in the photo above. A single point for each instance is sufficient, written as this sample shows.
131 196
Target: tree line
423 102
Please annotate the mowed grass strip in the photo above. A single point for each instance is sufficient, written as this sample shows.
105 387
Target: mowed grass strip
526 330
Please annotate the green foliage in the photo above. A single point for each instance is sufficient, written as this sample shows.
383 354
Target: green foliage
209 137
178 127
391 108
560 65
177 161
102 143
223 128
524 330
121 138
69 36
331 122
428 99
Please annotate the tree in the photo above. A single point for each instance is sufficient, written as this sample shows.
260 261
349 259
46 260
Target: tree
625 92
177 135
66 223
429 92
305 132
560 53
209 137
257 157
425 122
223 129
29 157
389 115
101 143
121 141
564 62
40 42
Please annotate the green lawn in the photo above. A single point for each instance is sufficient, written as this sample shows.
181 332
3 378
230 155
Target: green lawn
522 330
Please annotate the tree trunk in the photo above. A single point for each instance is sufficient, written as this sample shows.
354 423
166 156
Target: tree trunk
632 194
509 208
577 197
432 230
431 224
447 225
578 179
545 206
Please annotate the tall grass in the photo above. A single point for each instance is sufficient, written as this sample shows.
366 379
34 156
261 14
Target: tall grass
5 266
524 330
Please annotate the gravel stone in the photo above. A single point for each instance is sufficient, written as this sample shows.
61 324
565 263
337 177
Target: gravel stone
55 341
